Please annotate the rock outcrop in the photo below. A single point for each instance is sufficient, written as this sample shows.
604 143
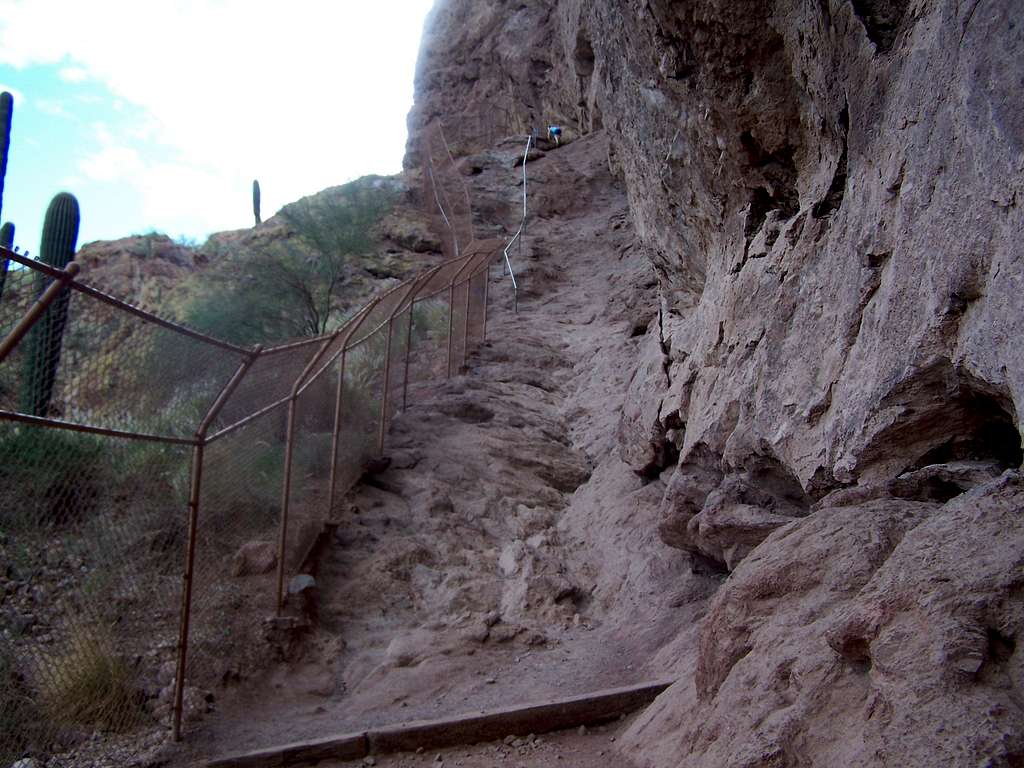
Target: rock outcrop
829 385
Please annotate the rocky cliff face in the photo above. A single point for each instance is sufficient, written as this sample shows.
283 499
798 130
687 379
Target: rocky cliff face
829 391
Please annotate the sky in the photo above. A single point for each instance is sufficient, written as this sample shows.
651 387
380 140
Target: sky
158 115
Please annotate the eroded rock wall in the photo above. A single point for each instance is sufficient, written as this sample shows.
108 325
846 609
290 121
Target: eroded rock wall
830 194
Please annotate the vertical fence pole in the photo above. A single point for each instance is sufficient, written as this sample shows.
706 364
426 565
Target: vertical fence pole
286 490
387 385
487 288
186 591
465 328
195 490
289 452
408 353
356 324
451 325
336 439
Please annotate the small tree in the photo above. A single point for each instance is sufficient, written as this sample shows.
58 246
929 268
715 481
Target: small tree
277 289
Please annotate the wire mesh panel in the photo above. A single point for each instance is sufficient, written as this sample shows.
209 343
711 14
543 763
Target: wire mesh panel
477 287
309 499
268 381
91 548
236 547
360 410
401 335
428 357
460 302
86 362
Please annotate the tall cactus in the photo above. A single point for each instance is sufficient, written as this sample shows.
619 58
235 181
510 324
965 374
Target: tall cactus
256 201
6 113
43 345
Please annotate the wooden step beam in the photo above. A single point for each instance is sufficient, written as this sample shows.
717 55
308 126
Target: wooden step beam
473 728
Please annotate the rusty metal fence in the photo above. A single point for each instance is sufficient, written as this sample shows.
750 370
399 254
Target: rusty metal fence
145 467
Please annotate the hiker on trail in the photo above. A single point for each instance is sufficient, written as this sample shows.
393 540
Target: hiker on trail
555 134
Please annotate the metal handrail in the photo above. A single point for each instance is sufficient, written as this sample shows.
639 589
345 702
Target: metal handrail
517 237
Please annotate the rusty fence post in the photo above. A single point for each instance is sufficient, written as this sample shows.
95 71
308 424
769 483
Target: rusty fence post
465 328
53 290
356 323
410 295
487 288
289 453
451 325
408 353
470 260
186 592
195 490
387 384
336 437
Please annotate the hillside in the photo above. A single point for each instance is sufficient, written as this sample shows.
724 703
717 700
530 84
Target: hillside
169 278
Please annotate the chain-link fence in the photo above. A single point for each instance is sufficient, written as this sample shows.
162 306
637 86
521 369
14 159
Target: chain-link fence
161 490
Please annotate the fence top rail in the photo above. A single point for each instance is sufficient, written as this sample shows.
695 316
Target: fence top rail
124 306
88 429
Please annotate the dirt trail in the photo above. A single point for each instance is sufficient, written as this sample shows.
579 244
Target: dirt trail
492 562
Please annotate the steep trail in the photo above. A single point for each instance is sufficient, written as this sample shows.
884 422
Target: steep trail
498 559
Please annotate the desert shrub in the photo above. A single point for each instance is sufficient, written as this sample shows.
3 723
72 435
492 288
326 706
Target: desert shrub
284 288
94 686
49 476
429 321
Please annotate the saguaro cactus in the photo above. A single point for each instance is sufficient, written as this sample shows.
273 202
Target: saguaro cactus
256 201
60 234
6 112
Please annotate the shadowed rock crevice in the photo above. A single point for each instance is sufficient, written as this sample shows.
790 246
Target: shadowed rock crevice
779 193
941 415
718 514
881 20
833 199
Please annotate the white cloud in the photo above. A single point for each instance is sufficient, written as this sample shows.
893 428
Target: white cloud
112 164
73 74
301 96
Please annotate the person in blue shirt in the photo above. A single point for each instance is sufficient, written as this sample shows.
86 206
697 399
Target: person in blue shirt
555 134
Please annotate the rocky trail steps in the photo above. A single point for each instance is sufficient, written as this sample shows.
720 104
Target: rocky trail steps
468 575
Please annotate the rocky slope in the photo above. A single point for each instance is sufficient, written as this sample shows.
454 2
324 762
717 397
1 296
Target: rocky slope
827 387
465 576
156 273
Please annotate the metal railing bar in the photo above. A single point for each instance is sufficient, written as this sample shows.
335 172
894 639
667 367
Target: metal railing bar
131 309
60 282
522 225
227 391
248 419
144 437
361 317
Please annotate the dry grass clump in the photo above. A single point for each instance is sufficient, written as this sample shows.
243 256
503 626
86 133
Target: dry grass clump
91 685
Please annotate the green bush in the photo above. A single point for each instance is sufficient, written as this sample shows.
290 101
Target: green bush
49 476
284 288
